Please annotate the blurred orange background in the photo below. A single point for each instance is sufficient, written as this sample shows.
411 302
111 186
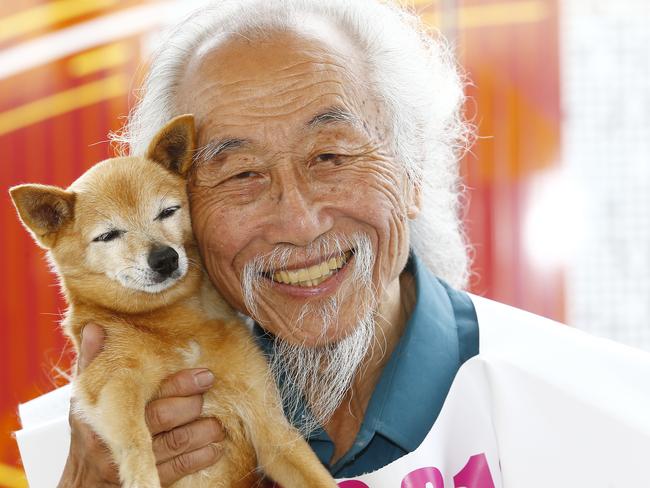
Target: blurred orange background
67 72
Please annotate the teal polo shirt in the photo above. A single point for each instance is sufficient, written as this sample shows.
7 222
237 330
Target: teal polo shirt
440 335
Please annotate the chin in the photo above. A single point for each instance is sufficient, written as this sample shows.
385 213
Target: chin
310 334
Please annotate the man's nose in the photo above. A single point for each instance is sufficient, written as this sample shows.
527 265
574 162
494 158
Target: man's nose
300 218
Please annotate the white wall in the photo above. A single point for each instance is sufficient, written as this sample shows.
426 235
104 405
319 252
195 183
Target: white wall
605 51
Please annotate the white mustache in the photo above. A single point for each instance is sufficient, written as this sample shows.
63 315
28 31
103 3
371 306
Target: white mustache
253 279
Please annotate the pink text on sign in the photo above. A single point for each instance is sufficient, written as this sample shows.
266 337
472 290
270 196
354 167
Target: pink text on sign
475 474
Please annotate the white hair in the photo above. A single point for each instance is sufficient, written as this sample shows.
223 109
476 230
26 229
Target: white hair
410 68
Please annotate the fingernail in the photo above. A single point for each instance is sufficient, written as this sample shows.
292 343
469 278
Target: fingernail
204 378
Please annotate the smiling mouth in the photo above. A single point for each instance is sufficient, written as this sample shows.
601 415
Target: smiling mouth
312 275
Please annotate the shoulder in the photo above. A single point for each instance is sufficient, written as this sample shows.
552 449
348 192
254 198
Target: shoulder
503 328
445 309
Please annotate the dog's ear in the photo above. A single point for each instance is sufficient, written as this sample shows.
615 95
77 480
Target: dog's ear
44 210
173 147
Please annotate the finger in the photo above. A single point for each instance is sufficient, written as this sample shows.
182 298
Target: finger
87 445
107 470
185 383
92 341
190 462
187 438
168 413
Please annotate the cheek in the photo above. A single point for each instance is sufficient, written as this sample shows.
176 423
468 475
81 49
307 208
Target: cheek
213 222
370 193
221 231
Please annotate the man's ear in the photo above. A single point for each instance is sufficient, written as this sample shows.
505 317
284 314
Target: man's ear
415 201
174 145
43 210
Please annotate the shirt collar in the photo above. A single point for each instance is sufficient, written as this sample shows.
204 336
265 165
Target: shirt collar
414 384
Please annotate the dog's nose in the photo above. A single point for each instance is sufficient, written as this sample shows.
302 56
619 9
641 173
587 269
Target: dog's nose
163 260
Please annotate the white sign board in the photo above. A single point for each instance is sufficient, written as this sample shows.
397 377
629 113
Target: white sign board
542 405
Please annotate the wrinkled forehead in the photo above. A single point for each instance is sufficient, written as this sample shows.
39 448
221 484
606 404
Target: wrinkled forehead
283 77
264 56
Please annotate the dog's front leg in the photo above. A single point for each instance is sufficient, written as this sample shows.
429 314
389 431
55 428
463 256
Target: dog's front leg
118 417
287 458
282 453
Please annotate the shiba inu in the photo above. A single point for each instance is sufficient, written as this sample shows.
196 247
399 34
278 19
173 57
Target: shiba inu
121 240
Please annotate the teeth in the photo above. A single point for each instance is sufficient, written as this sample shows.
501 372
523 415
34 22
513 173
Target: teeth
303 274
324 269
293 276
314 272
314 275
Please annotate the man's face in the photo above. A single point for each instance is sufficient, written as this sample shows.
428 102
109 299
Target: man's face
296 155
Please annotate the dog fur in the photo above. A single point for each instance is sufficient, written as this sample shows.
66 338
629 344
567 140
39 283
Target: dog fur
155 327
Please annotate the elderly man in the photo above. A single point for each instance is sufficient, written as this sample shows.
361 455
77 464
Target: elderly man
324 200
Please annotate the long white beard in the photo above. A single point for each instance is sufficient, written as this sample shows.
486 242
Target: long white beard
318 377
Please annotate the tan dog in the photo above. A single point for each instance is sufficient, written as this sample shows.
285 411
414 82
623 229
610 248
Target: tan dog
121 240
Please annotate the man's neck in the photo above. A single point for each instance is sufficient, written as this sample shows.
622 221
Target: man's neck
395 308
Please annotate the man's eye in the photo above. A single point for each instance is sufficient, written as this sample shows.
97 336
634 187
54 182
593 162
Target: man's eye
244 175
109 236
329 157
168 212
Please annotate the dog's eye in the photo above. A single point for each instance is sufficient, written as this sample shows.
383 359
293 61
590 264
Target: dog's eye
168 212
108 236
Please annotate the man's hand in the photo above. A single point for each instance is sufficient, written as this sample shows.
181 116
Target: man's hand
183 443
